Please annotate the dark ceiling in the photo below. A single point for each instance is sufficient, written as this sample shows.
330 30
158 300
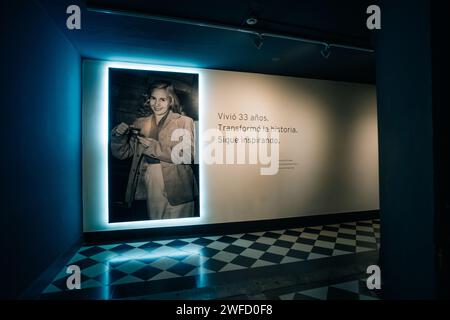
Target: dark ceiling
125 38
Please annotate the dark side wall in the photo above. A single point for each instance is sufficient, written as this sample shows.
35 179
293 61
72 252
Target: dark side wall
405 124
441 70
41 143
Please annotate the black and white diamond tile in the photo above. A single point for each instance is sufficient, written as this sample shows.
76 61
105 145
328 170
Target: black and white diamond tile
349 290
108 265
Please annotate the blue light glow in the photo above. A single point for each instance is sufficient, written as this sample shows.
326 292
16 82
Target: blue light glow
102 137
190 252
165 252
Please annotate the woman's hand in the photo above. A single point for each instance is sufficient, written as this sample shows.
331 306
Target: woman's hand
146 142
122 128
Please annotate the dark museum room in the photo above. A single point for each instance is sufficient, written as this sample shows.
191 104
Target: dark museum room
262 152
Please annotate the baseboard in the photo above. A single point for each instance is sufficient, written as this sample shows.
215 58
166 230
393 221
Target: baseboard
38 286
224 228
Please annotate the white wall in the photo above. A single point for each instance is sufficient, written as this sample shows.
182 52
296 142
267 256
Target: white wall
335 149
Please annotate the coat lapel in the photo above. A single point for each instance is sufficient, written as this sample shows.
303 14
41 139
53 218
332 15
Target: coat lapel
150 122
171 116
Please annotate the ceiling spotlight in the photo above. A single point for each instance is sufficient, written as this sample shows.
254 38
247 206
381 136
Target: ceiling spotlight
326 51
251 21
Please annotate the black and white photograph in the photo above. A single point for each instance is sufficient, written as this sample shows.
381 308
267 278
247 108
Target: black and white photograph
146 109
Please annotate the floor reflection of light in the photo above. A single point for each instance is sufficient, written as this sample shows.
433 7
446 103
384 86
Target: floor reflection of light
162 253
201 276
191 255
194 255
106 289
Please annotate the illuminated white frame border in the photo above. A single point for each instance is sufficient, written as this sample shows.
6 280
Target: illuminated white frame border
101 135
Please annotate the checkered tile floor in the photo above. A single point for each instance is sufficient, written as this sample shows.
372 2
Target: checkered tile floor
124 263
350 290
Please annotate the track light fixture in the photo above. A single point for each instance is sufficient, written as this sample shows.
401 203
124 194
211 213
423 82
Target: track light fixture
250 21
326 51
258 41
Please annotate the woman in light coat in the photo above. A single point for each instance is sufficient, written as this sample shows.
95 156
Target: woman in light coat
156 172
